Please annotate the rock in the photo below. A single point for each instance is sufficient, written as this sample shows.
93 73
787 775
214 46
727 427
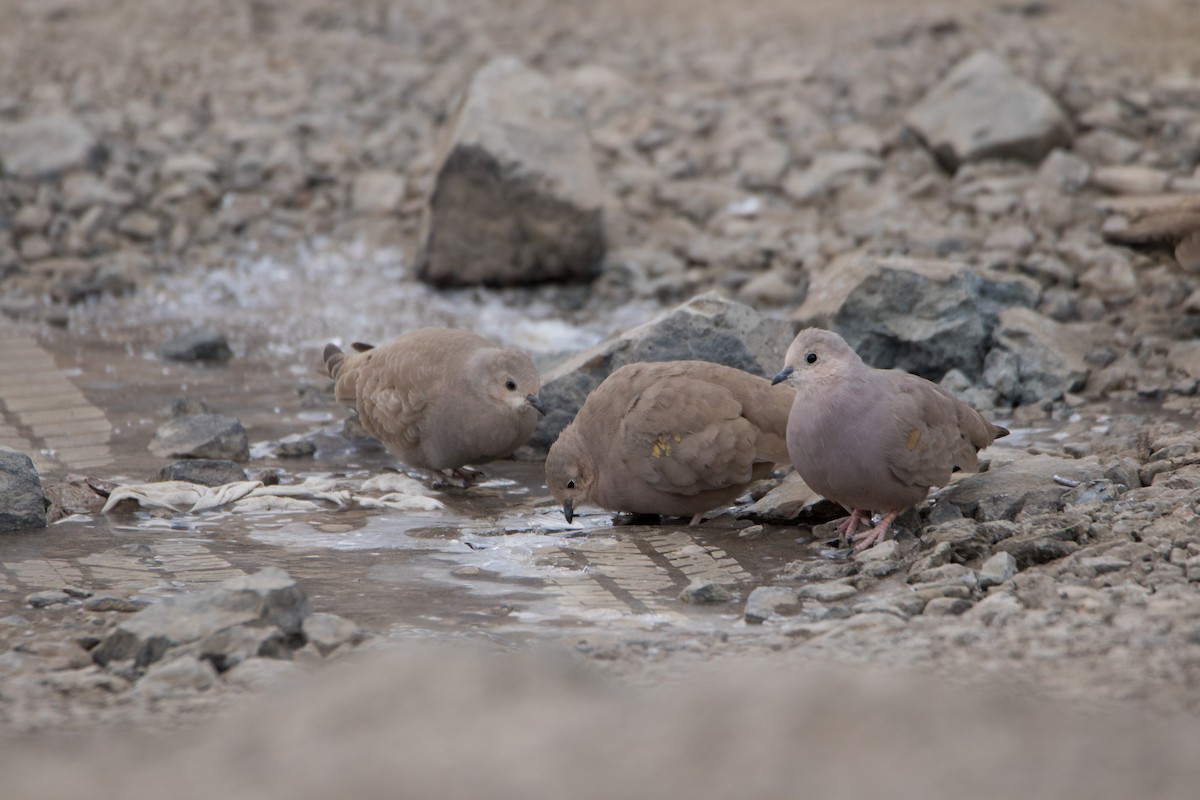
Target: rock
22 501
516 199
76 495
791 500
377 192
884 551
328 632
108 602
700 592
1065 171
947 606
257 674
1130 180
209 436
920 315
202 344
981 110
184 407
829 592
827 171
180 676
967 539
42 147
268 597
1049 537
997 569
1006 488
229 647
50 597
765 601
706 328
1036 359
996 609
204 471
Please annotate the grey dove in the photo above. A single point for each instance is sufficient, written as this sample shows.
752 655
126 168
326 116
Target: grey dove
873 439
440 399
675 438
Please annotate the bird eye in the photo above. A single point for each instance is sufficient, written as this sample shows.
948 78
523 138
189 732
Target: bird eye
811 358
570 484
510 384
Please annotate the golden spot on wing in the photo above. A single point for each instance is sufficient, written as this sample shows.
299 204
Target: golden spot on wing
662 447
914 438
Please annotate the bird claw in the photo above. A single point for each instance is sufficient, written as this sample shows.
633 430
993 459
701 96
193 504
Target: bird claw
457 478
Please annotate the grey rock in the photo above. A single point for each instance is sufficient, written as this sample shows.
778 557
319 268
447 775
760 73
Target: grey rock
982 110
829 592
22 501
765 601
1049 537
920 315
202 344
967 539
997 569
184 407
1036 359
947 606
256 674
1093 494
516 199
267 597
204 471
180 676
1101 565
827 171
50 597
996 609
108 602
706 328
328 632
791 500
229 647
884 551
1065 171
210 436
705 593
941 554
41 147
1002 491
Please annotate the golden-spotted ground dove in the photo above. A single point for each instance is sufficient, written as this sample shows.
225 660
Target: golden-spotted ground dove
675 438
873 439
440 399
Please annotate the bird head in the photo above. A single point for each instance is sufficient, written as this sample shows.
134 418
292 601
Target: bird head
511 381
817 357
569 474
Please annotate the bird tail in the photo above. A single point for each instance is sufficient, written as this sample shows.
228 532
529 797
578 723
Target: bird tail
334 359
1000 432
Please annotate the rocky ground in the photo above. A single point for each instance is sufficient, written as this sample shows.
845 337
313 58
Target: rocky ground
1002 197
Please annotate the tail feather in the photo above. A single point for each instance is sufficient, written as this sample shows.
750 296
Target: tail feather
334 357
361 347
1000 432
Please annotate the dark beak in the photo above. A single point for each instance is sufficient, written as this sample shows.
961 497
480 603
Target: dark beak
569 509
536 402
783 375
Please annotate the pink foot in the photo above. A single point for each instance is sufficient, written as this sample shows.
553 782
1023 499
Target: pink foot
876 535
695 520
849 525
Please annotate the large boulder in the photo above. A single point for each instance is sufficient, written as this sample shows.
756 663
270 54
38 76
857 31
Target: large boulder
921 315
706 328
516 198
982 110
22 502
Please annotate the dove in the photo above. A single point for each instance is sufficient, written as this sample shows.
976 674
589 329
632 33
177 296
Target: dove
873 439
440 399
673 438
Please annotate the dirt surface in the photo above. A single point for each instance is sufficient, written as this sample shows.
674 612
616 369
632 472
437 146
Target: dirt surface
272 110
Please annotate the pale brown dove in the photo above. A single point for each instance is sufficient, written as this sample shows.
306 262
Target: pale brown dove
674 438
873 439
440 399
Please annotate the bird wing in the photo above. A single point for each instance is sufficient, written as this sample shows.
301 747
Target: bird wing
394 389
929 437
687 436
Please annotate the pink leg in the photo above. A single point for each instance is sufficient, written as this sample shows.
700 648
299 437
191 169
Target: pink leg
695 520
849 525
877 534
